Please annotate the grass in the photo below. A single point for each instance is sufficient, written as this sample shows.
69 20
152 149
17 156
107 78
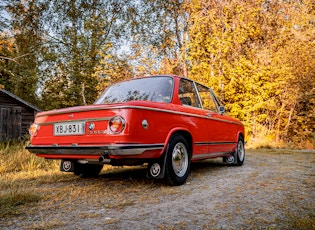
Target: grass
17 163
301 223
9 202
271 150
15 158
22 176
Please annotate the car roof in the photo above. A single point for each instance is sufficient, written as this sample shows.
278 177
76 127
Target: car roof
160 75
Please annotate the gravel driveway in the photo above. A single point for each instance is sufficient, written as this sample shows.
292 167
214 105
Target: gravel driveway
274 191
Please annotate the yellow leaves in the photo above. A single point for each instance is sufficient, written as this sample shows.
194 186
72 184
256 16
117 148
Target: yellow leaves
259 55
6 43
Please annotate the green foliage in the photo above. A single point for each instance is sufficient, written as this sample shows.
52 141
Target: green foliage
78 34
26 28
158 33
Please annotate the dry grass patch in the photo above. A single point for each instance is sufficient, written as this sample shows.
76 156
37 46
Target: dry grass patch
10 201
15 158
280 151
44 225
301 223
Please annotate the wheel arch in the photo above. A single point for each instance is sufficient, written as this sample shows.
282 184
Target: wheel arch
238 135
241 134
185 133
162 160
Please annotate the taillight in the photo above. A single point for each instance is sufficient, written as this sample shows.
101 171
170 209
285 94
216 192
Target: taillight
33 130
117 124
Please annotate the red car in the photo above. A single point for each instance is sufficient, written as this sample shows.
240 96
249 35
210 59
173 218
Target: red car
166 121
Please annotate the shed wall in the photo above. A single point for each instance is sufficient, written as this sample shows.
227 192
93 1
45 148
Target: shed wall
15 118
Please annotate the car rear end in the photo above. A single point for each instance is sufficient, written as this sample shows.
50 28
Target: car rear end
116 131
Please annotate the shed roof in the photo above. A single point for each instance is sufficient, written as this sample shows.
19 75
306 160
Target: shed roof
20 99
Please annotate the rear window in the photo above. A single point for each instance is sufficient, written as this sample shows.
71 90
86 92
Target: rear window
157 89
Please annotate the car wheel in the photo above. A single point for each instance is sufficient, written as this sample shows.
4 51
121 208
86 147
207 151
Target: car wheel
87 170
239 154
177 160
238 157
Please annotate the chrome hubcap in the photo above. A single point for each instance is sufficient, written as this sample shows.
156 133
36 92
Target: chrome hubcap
66 165
155 169
180 159
230 159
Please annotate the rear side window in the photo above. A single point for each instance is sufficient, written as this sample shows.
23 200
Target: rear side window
187 93
206 98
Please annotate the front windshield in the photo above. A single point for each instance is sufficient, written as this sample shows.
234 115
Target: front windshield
158 89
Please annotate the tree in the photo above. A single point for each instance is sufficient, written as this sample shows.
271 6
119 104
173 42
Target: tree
79 31
112 68
159 31
7 60
27 29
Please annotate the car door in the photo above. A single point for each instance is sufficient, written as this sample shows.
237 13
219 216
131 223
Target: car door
218 127
193 117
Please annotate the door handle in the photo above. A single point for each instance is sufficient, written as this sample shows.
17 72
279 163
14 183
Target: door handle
208 115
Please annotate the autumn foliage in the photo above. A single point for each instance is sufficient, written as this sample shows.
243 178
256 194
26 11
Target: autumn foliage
259 56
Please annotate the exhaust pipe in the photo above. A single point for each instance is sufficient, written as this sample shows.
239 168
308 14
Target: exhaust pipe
104 158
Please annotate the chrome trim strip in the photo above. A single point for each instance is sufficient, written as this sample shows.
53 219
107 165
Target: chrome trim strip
208 155
117 150
216 143
137 107
73 120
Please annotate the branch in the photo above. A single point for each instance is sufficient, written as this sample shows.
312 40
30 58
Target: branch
14 59
83 95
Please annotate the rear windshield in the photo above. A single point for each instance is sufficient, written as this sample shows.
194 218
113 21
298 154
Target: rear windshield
157 89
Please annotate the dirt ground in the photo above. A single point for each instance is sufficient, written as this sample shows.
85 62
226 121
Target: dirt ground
270 191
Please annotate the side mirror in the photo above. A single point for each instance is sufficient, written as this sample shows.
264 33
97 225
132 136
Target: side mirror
221 110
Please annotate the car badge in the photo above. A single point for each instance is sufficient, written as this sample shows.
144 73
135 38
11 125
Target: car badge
91 126
71 115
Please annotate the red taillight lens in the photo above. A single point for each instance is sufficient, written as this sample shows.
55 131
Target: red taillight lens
117 124
33 130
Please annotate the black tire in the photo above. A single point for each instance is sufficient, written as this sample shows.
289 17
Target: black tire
239 154
87 170
177 160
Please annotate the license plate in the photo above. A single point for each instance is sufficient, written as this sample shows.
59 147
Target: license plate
69 128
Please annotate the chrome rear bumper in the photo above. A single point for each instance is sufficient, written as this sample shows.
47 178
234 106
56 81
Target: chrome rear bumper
117 150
